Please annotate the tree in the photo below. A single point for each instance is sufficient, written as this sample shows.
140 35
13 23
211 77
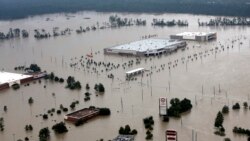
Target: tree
28 128
35 68
30 100
101 88
15 86
72 105
225 109
127 129
5 108
1 124
26 139
245 105
87 86
104 111
44 134
219 120
185 105
177 107
52 76
72 84
56 78
121 130
45 116
134 132
236 106
61 80
60 128
96 87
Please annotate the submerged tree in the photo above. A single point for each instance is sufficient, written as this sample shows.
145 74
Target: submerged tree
219 120
31 101
44 134
60 128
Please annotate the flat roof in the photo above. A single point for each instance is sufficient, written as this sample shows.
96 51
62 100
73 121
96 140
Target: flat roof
135 70
8 77
195 33
82 113
124 138
147 44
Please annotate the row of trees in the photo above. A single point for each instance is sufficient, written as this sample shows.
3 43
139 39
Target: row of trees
28 127
1 124
53 77
34 68
161 22
59 128
148 123
127 130
31 68
239 130
14 33
41 34
219 21
116 21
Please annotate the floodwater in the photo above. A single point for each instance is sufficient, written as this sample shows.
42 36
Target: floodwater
220 77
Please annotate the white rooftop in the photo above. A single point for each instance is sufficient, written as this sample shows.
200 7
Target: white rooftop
7 77
194 33
147 44
135 70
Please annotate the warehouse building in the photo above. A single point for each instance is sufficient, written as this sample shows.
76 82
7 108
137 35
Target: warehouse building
8 79
195 36
83 114
147 47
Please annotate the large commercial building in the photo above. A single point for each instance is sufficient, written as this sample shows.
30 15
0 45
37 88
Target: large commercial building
8 79
196 36
147 47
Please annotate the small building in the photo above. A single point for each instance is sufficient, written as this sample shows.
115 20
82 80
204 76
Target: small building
83 114
124 138
146 47
195 36
171 135
163 106
134 72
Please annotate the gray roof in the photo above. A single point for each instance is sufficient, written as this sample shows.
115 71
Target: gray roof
147 44
124 138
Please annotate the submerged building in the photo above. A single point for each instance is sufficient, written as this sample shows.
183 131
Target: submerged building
124 138
83 114
147 47
195 36
8 79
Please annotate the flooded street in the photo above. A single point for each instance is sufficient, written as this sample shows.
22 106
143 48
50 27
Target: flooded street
216 77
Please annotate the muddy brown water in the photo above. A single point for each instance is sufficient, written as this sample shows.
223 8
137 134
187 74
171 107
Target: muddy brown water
228 69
